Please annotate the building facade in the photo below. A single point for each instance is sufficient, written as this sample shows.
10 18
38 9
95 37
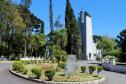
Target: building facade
85 23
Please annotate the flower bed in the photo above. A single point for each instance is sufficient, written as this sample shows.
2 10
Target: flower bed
48 72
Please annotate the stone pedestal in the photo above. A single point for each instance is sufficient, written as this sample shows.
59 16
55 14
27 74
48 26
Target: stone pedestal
70 65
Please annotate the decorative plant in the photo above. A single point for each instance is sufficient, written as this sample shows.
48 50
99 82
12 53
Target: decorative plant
37 72
91 69
18 66
83 69
50 74
99 69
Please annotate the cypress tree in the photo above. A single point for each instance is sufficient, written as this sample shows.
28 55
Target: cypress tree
73 30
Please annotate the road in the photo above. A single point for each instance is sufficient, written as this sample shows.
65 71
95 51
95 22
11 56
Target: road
7 78
114 78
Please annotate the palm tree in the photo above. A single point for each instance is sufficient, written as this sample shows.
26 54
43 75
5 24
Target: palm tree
60 38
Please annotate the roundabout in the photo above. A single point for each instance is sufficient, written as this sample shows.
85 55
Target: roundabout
7 78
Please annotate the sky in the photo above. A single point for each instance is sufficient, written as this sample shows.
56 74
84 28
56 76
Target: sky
109 16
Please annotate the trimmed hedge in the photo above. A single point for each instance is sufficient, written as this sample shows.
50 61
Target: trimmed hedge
92 69
83 69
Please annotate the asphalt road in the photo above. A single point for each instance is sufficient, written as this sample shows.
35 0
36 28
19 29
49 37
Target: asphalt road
7 78
114 78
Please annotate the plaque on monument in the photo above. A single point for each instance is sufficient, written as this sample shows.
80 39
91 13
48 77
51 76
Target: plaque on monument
70 65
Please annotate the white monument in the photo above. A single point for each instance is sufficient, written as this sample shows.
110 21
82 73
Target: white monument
85 23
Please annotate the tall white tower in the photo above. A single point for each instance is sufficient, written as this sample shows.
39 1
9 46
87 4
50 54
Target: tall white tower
85 23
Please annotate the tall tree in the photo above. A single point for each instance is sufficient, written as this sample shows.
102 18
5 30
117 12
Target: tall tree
73 30
108 46
16 25
24 8
51 16
97 38
121 40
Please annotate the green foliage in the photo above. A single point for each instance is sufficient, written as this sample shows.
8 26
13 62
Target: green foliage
108 46
59 38
97 38
91 69
38 44
83 69
62 65
50 74
18 66
37 72
25 70
73 31
58 54
16 26
99 69
121 41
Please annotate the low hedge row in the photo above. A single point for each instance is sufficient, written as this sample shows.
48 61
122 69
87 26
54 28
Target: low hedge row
92 69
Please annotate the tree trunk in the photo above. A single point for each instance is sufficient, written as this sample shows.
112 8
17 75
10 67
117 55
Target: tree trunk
25 51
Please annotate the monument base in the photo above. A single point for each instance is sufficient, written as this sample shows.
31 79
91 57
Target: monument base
70 65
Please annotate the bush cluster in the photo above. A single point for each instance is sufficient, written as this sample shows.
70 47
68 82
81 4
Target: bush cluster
37 72
92 69
50 74
18 66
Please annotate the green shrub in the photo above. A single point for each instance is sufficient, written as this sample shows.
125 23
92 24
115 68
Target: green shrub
18 66
50 74
83 69
99 69
24 71
62 65
91 69
37 72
